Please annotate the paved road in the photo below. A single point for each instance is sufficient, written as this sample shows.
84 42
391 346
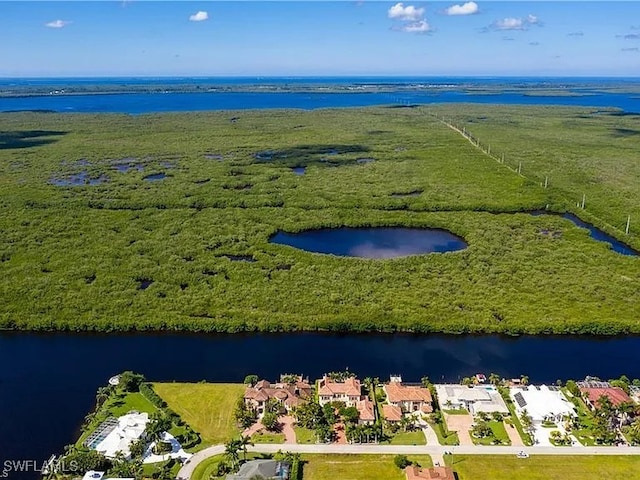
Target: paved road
436 451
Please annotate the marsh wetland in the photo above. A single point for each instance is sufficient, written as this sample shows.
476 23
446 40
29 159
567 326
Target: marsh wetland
73 254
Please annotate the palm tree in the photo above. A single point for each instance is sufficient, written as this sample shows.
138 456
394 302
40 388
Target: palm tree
231 450
243 443
494 379
524 380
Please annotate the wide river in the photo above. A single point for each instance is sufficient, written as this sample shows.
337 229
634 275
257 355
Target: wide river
577 92
48 382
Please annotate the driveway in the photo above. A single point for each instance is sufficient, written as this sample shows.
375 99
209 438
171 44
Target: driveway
514 436
286 422
460 424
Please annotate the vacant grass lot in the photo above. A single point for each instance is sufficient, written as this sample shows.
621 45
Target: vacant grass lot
356 467
206 407
502 467
78 257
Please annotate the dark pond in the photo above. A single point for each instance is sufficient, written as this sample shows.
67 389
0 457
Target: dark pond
125 167
299 170
240 258
594 232
155 177
381 242
365 160
48 382
144 284
408 194
78 179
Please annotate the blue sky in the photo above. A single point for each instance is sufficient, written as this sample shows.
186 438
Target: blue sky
101 38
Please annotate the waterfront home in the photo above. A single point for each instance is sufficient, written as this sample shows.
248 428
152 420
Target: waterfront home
366 411
262 469
542 403
474 398
616 395
391 413
409 398
289 394
414 472
116 435
348 391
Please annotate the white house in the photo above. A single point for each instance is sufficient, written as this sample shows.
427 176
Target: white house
542 403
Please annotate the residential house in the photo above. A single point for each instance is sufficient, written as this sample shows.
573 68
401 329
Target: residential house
262 469
616 395
542 403
409 398
289 394
413 472
478 398
366 411
391 413
348 391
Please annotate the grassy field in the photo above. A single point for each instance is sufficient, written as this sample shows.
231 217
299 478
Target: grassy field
77 257
502 467
207 407
356 467
267 437
499 433
304 435
408 438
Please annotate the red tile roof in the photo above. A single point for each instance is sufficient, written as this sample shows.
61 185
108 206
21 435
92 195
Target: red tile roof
350 387
365 409
391 413
440 473
615 394
396 392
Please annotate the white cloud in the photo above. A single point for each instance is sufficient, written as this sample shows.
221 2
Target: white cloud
512 23
408 13
57 24
509 23
468 8
421 26
199 16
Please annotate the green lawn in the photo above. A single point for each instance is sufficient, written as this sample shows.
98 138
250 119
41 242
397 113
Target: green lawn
507 467
458 411
445 438
499 433
132 401
207 407
356 467
267 437
408 438
304 435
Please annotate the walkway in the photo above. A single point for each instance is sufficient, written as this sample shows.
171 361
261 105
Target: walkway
513 434
286 422
461 424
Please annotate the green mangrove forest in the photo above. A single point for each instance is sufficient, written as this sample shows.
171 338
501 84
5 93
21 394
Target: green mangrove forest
115 222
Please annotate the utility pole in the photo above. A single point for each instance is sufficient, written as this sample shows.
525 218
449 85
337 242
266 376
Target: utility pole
628 224
519 167
584 196
546 181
